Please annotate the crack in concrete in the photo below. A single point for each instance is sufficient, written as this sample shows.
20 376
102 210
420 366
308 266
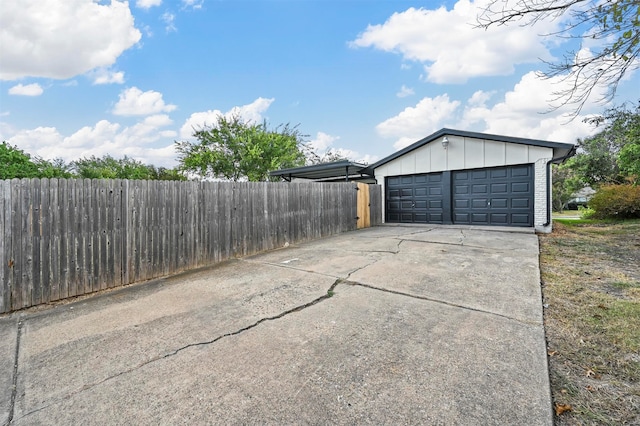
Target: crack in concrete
459 244
439 301
298 308
14 381
434 242
289 266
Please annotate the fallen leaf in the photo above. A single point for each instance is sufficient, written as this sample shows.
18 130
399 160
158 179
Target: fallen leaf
601 306
590 388
562 408
552 353
591 373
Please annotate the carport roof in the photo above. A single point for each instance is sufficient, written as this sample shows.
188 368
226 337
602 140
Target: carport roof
343 168
561 151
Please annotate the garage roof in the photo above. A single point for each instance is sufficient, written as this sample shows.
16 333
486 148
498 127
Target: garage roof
343 168
560 150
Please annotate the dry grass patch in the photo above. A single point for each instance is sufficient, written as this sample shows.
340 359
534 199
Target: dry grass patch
591 288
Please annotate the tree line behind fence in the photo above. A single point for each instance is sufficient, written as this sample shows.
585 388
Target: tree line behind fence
61 238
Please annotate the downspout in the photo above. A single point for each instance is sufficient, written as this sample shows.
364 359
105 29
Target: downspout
560 160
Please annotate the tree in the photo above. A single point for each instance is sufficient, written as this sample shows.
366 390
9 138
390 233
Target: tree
629 160
234 149
162 173
613 25
15 163
328 157
56 168
108 167
565 183
611 155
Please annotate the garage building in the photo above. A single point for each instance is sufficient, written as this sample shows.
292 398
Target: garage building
469 178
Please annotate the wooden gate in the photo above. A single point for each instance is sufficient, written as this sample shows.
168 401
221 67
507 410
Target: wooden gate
364 208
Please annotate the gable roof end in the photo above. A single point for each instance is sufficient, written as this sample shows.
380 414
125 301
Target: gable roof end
561 151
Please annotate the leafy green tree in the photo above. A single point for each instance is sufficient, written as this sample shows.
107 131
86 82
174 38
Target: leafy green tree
611 155
162 173
612 28
565 183
15 163
56 168
629 161
234 149
107 167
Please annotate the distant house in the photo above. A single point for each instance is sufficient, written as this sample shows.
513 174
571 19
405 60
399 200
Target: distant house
460 177
580 198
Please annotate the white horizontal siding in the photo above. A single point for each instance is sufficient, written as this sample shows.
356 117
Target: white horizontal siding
462 153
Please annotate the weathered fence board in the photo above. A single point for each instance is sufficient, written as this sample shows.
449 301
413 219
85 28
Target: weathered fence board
61 238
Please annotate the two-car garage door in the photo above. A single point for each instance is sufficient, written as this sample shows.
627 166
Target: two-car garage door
489 196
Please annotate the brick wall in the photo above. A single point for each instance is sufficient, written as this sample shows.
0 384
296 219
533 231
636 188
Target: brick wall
540 208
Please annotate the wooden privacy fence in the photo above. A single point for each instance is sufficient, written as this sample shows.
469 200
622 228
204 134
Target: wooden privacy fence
61 238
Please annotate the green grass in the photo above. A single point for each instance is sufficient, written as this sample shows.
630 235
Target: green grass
598 222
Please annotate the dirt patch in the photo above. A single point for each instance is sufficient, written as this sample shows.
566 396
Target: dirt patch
591 290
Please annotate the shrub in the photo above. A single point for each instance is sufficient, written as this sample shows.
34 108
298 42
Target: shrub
616 202
586 212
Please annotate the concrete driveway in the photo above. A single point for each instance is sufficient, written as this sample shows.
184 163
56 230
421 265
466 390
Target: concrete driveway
388 325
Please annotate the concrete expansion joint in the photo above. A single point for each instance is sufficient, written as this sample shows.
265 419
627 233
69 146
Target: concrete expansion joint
442 302
327 295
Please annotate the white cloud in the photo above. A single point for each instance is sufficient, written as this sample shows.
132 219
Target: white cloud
519 112
33 89
322 141
524 112
194 4
134 101
322 145
250 112
147 4
429 115
451 48
63 38
405 91
138 141
169 22
105 76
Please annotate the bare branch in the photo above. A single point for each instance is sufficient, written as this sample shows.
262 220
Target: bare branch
613 25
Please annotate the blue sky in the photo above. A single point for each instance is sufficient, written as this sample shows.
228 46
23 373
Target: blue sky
363 77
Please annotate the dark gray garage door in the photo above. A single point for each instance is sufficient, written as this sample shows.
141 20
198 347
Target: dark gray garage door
494 196
490 196
415 198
